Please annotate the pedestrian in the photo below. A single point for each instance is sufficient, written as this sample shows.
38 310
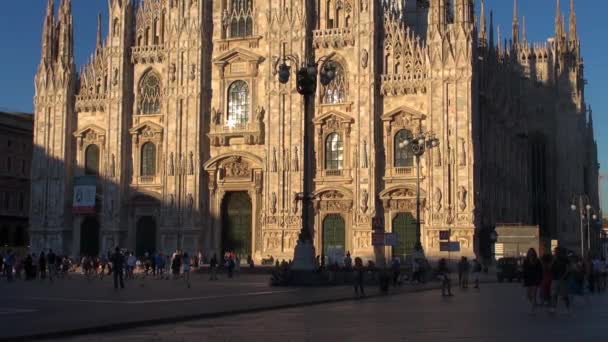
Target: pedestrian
250 262
560 271
476 270
463 272
9 264
359 278
52 264
444 275
603 273
176 264
545 284
35 268
160 265
118 262
396 268
533 276
42 265
237 265
213 267
131 263
186 268
230 265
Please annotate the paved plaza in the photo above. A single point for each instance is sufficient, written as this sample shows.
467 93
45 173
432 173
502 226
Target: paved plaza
496 313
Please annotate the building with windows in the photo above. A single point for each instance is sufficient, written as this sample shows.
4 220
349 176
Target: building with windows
178 134
16 130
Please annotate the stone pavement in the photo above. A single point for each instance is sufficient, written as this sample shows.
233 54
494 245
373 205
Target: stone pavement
499 312
42 309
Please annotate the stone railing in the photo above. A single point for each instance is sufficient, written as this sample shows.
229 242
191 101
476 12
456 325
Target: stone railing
147 54
402 84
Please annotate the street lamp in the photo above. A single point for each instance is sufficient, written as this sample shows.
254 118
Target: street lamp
306 85
587 215
419 144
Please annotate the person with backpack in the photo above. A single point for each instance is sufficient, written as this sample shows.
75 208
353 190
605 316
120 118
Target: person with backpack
359 271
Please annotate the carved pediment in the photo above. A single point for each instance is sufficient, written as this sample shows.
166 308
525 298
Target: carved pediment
404 113
238 54
400 192
236 167
91 134
334 120
219 162
147 131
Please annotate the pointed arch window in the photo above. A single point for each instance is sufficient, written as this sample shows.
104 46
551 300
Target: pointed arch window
335 91
334 152
148 159
91 160
240 18
403 153
238 103
149 93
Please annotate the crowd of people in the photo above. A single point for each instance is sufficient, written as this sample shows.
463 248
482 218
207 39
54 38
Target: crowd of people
33 266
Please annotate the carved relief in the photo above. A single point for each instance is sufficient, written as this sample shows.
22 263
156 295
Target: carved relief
273 163
272 241
464 236
437 156
432 238
364 58
171 165
295 203
362 239
215 116
191 164
236 167
290 240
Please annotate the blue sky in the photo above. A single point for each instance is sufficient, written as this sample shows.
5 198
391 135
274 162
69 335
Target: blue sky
21 26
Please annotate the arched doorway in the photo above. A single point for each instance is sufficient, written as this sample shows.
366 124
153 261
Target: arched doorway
334 236
236 227
145 236
404 224
89 237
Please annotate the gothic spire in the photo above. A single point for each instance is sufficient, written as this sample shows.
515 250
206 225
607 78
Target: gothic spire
524 34
99 38
515 24
65 33
559 23
483 35
498 36
572 26
491 42
48 33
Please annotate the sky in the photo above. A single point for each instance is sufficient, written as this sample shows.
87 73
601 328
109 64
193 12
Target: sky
21 27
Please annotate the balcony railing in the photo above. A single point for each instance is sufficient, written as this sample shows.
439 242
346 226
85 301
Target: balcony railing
146 179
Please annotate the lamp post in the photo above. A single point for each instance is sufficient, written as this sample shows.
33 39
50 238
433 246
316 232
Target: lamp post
306 85
586 215
419 144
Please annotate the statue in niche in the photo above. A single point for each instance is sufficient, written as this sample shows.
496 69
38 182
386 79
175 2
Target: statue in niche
191 164
273 203
294 203
364 201
295 164
273 163
171 201
182 164
192 72
215 116
451 156
462 198
190 201
438 197
259 115
286 159
462 156
364 58
364 5
171 165
437 154
115 79
172 71
113 166
364 154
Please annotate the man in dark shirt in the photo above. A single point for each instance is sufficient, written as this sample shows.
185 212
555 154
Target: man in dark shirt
118 261
52 260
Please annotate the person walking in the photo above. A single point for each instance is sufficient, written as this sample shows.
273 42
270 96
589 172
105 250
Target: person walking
160 265
118 261
444 274
476 271
186 268
51 259
545 284
396 268
42 265
533 276
359 278
213 267
176 264
9 264
560 271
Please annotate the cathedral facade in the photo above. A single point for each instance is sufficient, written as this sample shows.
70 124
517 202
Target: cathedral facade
177 133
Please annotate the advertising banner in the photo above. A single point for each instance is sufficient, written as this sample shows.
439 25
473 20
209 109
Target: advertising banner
85 189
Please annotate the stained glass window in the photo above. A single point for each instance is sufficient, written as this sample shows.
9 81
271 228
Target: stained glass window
148 159
149 94
403 153
91 160
241 18
238 103
334 152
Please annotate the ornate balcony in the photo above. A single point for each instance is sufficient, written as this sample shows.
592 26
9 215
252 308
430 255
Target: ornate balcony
147 54
414 82
333 38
